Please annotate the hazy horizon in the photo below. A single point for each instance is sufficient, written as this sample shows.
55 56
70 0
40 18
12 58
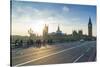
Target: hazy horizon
35 15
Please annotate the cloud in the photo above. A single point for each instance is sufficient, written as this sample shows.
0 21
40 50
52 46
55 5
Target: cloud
26 10
29 14
65 9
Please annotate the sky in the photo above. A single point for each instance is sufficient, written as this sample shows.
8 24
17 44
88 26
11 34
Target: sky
35 15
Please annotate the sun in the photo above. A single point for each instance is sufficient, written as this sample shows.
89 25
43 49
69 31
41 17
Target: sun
38 27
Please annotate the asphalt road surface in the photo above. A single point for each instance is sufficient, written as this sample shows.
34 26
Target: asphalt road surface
55 54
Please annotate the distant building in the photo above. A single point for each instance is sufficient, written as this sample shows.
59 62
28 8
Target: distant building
74 33
58 35
31 34
59 32
80 32
90 28
45 32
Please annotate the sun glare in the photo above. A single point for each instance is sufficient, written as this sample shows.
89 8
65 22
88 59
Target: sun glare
38 27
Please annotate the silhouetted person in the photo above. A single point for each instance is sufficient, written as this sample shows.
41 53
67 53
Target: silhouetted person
20 43
44 42
39 43
16 43
50 41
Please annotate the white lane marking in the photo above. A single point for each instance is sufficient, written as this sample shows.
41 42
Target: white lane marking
22 54
27 55
30 54
78 58
44 56
49 55
33 49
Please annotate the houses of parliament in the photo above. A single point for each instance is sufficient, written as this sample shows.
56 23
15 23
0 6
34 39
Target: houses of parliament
59 35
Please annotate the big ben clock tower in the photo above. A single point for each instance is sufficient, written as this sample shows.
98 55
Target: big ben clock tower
90 28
